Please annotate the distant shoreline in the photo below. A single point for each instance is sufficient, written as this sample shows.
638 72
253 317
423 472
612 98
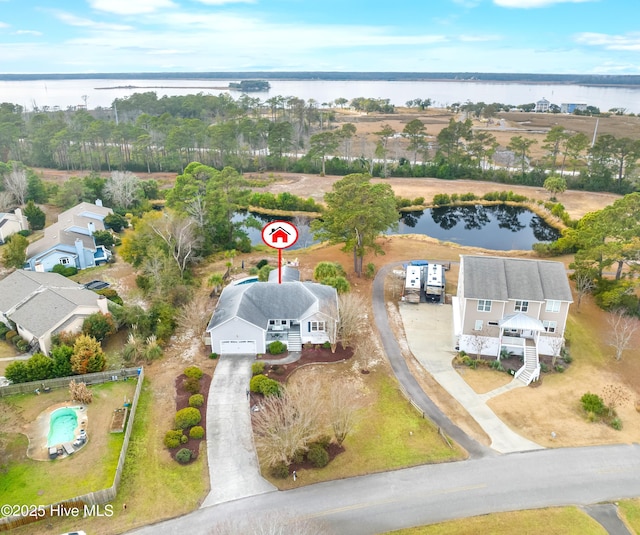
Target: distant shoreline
630 80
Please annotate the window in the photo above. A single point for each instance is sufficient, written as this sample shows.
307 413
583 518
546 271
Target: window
522 306
316 326
65 260
478 326
550 326
553 306
484 305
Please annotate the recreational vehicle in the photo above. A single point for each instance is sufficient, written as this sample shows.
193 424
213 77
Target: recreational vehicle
434 283
413 284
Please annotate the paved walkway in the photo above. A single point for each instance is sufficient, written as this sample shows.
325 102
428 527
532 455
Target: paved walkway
233 464
429 332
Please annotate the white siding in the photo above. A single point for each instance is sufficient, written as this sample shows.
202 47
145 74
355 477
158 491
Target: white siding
237 329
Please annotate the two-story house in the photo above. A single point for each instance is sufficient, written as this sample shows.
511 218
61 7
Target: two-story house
249 316
70 240
511 306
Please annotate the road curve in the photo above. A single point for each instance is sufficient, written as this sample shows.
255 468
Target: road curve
487 483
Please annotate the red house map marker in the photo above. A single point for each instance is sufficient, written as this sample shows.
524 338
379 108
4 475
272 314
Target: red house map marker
279 235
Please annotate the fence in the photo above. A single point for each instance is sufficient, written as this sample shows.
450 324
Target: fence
63 382
86 502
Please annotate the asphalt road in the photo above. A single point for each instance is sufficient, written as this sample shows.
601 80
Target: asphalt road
486 483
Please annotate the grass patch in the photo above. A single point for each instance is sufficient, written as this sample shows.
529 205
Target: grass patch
630 510
390 434
27 481
7 350
555 521
584 339
153 485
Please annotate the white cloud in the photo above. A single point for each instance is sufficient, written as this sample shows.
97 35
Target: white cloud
130 7
479 38
3 24
73 20
27 32
629 41
525 4
225 2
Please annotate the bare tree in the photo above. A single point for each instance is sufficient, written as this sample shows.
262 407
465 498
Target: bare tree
353 317
123 188
271 523
342 409
304 231
195 315
178 233
584 285
614 396
80 392
15 183
622 328
197 209
6 201
479 342
556 343
286 424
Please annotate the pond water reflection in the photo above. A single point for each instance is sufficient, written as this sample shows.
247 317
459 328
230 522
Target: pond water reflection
497 227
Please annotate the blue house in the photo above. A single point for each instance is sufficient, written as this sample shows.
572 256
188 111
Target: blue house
70 241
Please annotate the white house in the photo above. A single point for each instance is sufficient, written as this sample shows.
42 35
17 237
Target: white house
250 316
39 305
511 305
70 240
10 223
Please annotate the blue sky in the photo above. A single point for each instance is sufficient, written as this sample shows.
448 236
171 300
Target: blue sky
545 36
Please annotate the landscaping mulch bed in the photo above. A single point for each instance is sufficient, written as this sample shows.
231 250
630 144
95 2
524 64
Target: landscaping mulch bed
182 401
333 450
280 372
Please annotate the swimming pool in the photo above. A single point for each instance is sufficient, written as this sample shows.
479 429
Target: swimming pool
246 280
62 426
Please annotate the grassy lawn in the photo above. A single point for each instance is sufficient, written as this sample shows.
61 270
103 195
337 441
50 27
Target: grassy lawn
556 521
27 481
630 510
390 434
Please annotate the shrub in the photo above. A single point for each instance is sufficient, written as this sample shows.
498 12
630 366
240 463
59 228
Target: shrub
616 423
468 197
197 400
172 438
22 345
262 262
370 270
111 295
187 417
213 356
593 403
10 335
280 470
257 368
496 365
184 439
183 456
277 347
318 456
326 345
99 326
191 385
65 271
559 368
441 199
262 384
197 432
3 330
193 371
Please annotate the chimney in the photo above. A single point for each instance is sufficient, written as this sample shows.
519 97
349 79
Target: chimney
98 202
92 227
22 221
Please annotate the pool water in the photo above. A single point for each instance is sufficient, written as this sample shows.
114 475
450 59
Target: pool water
62 426
247 280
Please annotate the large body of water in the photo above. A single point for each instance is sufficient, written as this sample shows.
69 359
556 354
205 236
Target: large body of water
65 93
497 227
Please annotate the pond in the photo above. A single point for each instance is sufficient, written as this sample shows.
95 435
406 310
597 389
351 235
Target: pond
496 227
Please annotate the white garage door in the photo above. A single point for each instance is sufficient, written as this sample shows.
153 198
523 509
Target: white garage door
247 347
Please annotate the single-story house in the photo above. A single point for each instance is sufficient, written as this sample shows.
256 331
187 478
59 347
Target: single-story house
10 223
39 305
511 306
70 240
248 317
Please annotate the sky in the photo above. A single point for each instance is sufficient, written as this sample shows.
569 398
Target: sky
533 36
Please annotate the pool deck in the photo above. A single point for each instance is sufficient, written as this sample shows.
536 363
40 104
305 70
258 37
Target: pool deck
38 430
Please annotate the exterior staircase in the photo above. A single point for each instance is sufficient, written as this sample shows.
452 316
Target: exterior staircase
531 369
294 341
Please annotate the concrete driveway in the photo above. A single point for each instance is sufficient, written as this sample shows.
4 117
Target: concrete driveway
233 464
429 331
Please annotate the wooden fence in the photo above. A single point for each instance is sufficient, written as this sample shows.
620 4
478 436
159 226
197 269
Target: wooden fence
87 504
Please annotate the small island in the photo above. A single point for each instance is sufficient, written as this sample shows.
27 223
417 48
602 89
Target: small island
250 85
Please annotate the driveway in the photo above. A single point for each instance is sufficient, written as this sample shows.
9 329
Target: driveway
429 331
233 464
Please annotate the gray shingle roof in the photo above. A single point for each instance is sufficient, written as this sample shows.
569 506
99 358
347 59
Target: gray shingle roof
501 279
259 302
42 300
18 286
